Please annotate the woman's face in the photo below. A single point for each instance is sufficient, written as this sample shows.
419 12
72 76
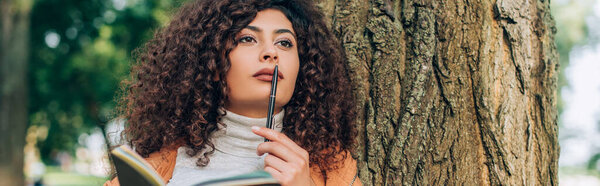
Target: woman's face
268 40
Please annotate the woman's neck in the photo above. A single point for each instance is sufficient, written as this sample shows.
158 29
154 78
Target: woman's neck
238 138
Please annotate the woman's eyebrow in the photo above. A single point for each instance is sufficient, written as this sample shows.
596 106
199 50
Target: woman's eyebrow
278 31
283 30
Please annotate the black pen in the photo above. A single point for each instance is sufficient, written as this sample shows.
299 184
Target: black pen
272 99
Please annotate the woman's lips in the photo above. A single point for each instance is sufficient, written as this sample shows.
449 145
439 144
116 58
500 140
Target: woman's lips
266 77
266 74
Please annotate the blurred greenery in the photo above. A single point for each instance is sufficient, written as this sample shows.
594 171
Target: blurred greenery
571 17
80 52
55 176
572 30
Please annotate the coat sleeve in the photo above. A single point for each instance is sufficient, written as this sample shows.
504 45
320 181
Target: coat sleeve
162 161
113 182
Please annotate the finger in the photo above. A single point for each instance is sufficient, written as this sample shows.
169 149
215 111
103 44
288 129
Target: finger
282 138
286 169
276 163
274 172
279 150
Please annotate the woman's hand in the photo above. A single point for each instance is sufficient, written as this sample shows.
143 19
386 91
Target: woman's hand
286 162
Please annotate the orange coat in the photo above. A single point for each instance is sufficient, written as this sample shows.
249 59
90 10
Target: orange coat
163 162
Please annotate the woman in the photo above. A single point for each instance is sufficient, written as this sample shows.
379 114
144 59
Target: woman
197 106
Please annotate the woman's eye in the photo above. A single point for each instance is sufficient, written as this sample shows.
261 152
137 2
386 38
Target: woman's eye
246 39
285 43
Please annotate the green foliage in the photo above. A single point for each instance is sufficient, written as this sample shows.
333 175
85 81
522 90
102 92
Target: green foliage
72 82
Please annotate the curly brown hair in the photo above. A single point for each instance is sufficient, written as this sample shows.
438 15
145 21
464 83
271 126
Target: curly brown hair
178 92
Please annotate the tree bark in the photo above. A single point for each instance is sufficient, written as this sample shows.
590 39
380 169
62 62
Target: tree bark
452 92
14 53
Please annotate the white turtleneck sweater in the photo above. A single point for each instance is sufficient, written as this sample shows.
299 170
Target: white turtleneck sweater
235 151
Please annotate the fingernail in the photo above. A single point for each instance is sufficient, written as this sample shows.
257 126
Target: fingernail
255 128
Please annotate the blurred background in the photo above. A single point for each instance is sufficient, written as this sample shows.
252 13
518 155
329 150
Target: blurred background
578 41
79 52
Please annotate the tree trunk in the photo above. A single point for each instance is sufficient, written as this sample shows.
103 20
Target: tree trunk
14 53
452 92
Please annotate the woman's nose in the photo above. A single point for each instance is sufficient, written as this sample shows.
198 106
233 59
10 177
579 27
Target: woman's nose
269 54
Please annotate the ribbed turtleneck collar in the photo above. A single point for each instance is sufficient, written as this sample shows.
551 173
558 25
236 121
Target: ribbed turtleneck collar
237 138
